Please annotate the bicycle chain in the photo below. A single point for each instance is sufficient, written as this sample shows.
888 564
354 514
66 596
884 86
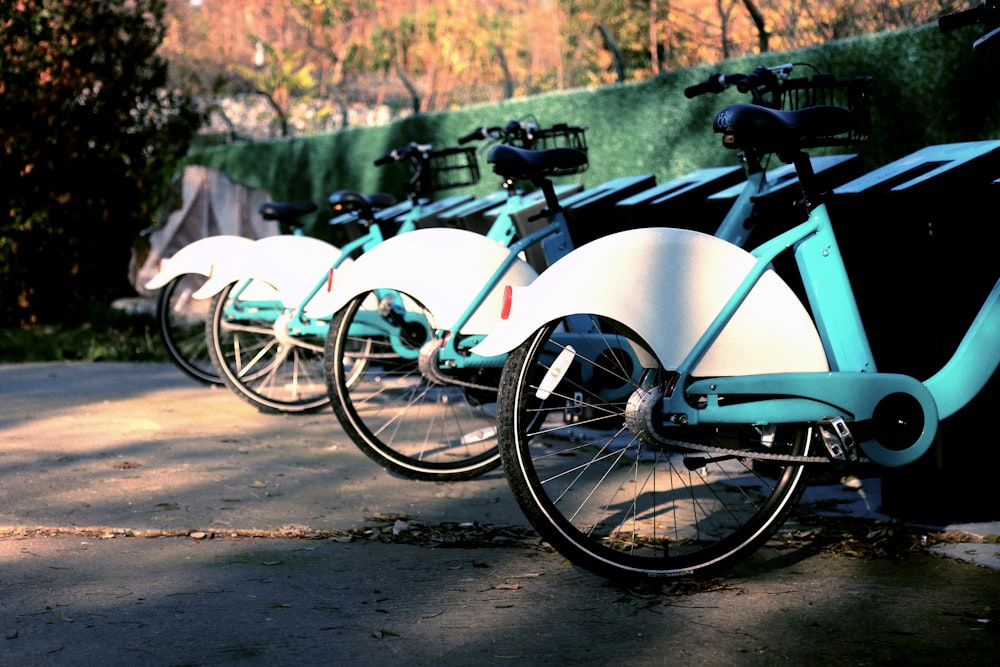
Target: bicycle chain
746 453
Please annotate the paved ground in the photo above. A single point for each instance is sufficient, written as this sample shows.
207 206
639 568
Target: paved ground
146 519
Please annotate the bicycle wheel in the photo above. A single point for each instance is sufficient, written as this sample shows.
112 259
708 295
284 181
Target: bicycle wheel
257 358
423 429
618 504
181 323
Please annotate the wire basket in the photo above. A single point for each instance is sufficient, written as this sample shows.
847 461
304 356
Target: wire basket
557 136
450 168
827 89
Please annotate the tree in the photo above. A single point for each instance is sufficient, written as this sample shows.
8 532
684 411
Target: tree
88 139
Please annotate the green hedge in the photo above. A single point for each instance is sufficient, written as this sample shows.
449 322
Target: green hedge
928 89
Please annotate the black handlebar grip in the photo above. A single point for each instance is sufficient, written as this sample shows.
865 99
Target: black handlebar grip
715 83
388 158
478 133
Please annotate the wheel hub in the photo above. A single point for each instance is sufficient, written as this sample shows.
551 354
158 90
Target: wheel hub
641 410
281 332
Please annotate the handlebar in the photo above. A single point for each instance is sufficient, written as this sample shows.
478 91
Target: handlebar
479 133
987 12
515 130
398 154
759 82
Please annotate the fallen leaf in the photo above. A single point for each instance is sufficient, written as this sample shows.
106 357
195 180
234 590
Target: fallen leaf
507 587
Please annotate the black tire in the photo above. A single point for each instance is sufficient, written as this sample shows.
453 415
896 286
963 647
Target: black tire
408 425
274 374
181 323
615 504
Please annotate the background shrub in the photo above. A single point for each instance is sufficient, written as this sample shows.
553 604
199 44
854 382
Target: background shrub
88 137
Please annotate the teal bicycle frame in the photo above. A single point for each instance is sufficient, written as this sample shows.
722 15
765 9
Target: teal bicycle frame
502 230
302 325
556 243
853 389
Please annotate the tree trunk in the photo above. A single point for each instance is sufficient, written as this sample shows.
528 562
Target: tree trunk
414 94
278 111
612 46
508 80
758 20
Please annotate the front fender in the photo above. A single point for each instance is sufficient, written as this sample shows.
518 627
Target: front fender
292 265
199 257
443 268
668 285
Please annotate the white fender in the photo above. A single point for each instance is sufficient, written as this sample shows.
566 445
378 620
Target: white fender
668 285
291 264
442 268
199 257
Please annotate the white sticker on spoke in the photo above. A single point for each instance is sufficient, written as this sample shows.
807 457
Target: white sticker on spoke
479 435
556 372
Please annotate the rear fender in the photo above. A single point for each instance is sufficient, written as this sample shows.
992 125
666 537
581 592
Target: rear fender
199 257
668 285
443 268
292 265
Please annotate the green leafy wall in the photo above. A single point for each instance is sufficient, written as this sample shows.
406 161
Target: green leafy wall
928 88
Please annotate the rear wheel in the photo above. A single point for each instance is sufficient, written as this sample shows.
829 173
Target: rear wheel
621 505
416 427
275 373
181 321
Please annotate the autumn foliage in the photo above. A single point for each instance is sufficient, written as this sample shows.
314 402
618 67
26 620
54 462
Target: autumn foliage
441 54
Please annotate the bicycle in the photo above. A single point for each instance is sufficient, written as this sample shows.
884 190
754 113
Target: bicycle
267 343
659 422
376 311
265 326
180 316
431 414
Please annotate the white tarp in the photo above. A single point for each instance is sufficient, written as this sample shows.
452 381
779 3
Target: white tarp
209 204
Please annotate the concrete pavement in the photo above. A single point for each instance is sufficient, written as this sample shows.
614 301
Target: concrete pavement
146 519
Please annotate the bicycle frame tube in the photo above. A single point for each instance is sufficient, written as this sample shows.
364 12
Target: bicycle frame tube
503 229
305 325
555 242
734 227
828 288
853 389
974 362
554 239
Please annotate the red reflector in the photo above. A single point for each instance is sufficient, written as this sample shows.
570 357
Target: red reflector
508 294
329 281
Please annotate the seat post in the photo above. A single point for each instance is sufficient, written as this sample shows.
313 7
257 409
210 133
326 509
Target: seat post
807 179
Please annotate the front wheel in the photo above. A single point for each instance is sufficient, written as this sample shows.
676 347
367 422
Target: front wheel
420 428
274 373
181 321
624 506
